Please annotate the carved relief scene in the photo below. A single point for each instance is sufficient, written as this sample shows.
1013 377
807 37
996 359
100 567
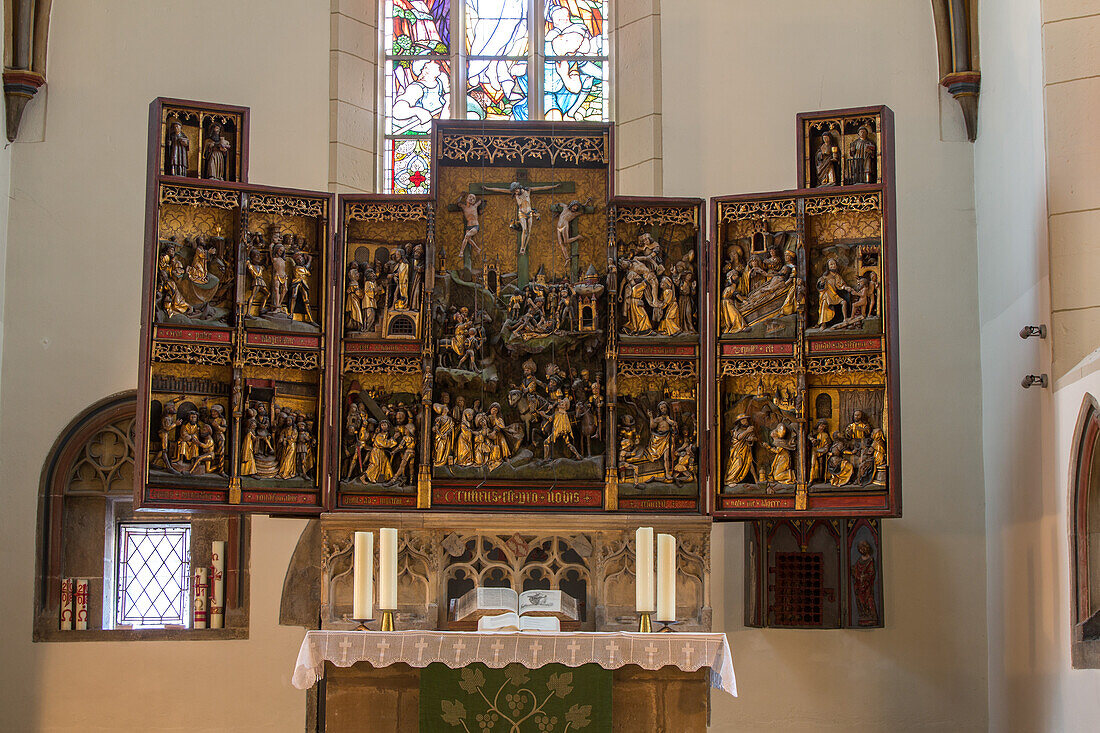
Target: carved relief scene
196 261
657 431
847 440
384 270
845 267
190 431
381 433
657 275
285 266
762 282
202 143
280 442
518 314
761 444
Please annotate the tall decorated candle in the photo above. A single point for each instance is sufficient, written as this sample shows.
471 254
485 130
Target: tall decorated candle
645 600
387 569
666 577
363 577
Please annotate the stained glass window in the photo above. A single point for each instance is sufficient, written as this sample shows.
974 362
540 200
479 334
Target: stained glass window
513 60
153 570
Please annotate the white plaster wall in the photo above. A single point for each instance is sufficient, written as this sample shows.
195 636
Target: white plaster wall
1022 521
736 72
72 312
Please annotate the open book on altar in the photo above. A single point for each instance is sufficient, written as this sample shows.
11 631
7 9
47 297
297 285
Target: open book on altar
502 609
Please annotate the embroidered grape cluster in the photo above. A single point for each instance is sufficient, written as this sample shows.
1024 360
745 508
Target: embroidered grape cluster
546 722
486 721
515 701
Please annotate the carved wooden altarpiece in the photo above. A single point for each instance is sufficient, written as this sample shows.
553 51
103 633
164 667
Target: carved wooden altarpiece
523 341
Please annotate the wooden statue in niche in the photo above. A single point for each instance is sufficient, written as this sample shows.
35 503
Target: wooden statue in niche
177 149
215 153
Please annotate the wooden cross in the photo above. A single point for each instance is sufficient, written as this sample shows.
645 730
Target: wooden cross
521 176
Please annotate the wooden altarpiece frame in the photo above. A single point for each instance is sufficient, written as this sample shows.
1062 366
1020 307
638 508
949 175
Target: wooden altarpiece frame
622 263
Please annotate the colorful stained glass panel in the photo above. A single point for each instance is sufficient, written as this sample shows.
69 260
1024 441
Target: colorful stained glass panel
417 91
418 27
407 165
496 27
575 28
496 90
575 90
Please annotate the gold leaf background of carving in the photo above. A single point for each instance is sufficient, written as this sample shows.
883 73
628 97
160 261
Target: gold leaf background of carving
191 221
496 237
841 225
744 228
387 231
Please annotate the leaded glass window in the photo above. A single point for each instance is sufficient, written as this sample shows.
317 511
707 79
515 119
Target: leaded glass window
153 572
514 60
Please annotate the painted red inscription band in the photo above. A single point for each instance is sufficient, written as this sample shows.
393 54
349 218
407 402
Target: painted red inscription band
277 339
654 350
837 345
379 500
187 495
586 498
277 497
657 505
363 347
192 335
757 349
756 502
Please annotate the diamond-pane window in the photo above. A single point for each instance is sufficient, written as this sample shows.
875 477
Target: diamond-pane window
153 570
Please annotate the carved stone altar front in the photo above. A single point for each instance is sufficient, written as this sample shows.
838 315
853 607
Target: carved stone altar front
441 556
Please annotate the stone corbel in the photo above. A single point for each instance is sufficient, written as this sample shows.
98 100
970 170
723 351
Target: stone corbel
26 28
957 46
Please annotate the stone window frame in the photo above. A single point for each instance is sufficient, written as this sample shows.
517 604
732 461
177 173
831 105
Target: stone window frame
356 81
1084 488
77 526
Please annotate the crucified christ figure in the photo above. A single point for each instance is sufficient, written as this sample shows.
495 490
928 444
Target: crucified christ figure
526 214
569 212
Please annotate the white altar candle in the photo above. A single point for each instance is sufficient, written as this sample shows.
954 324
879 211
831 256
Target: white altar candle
200 588
217 585
80 603
363 577
645 599
67 604
666 577
387 569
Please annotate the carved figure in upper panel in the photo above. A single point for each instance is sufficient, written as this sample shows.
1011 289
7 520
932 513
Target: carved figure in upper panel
281 282
177 149
760 450
827 160
215 153
657 297
194 281
763 288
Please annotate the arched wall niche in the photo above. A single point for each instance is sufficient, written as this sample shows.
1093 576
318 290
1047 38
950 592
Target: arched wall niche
1084 533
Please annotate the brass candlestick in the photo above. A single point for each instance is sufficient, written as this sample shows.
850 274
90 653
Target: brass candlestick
361 624
387 620
645 624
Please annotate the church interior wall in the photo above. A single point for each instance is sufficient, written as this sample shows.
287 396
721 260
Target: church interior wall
77 216
723 110
730 96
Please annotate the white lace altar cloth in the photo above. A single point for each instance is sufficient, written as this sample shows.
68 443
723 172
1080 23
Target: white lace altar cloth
455 649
